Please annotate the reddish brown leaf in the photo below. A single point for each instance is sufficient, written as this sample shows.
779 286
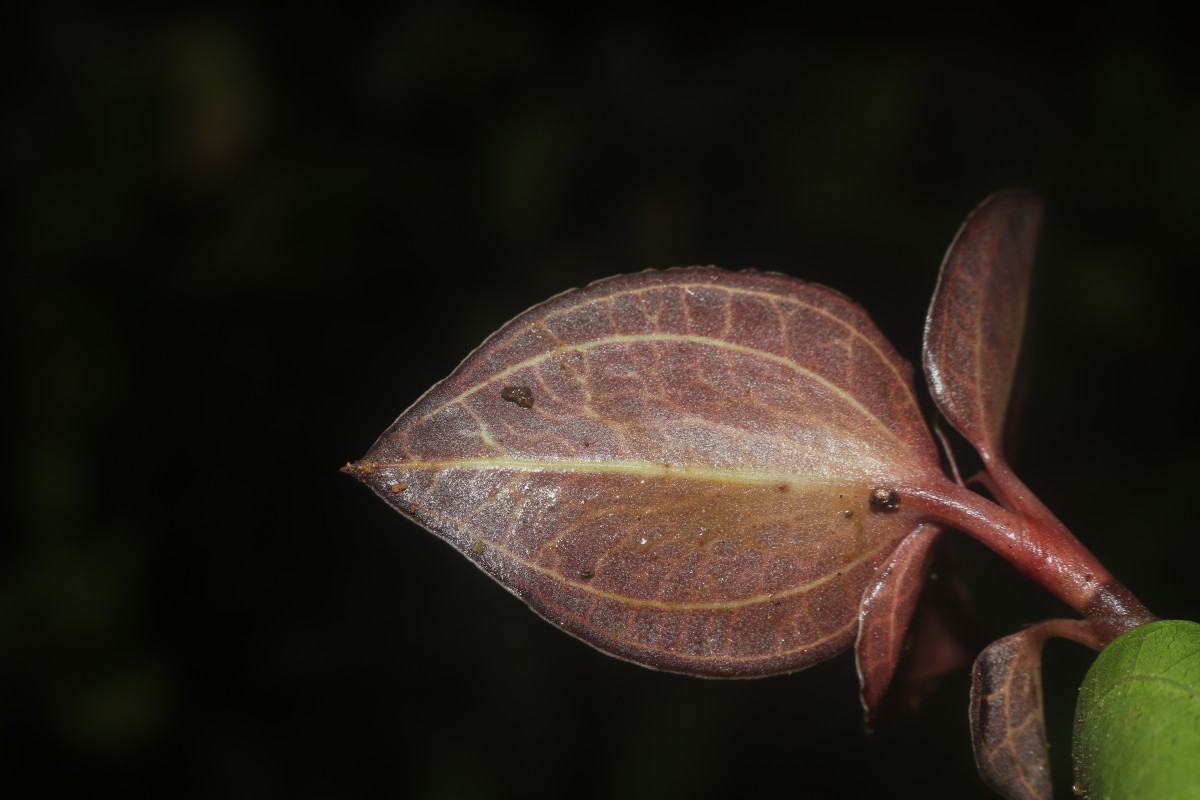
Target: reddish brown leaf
977 318
972 345
1008 728
677 467
884 614
904 646
942 633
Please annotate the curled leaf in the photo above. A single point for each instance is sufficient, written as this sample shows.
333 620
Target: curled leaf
913 624
885 612
688 478
1137 720
1008 727
972 348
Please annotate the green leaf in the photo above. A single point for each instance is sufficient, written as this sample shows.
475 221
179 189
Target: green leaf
1137 723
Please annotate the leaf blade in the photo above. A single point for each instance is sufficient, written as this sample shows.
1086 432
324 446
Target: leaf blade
1137 721
675 467
1008 728
885 612
913 625
976 321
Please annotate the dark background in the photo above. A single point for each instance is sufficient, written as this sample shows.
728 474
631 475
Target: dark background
243 241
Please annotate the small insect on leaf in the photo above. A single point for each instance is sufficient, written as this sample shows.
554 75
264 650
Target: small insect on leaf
694 488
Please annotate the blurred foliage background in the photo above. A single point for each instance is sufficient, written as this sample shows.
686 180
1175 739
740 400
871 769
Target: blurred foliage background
243 241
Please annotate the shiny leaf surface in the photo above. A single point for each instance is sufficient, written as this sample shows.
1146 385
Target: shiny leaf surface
914 625
885 613
977 318
694 469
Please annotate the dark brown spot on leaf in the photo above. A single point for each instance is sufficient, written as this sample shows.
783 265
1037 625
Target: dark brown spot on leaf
884 500
521 395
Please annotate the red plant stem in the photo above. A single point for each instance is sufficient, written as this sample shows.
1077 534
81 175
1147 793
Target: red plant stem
1013 493
1040 547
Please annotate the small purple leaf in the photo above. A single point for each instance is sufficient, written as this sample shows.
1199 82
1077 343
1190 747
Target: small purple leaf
972 347
1007 726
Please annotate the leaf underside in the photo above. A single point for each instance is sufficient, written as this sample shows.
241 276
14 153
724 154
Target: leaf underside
976 321
1007 721
696 470
913 628
1008 727
885 613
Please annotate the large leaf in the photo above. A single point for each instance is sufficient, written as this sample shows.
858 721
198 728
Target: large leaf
694 469
977 318
1137 720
